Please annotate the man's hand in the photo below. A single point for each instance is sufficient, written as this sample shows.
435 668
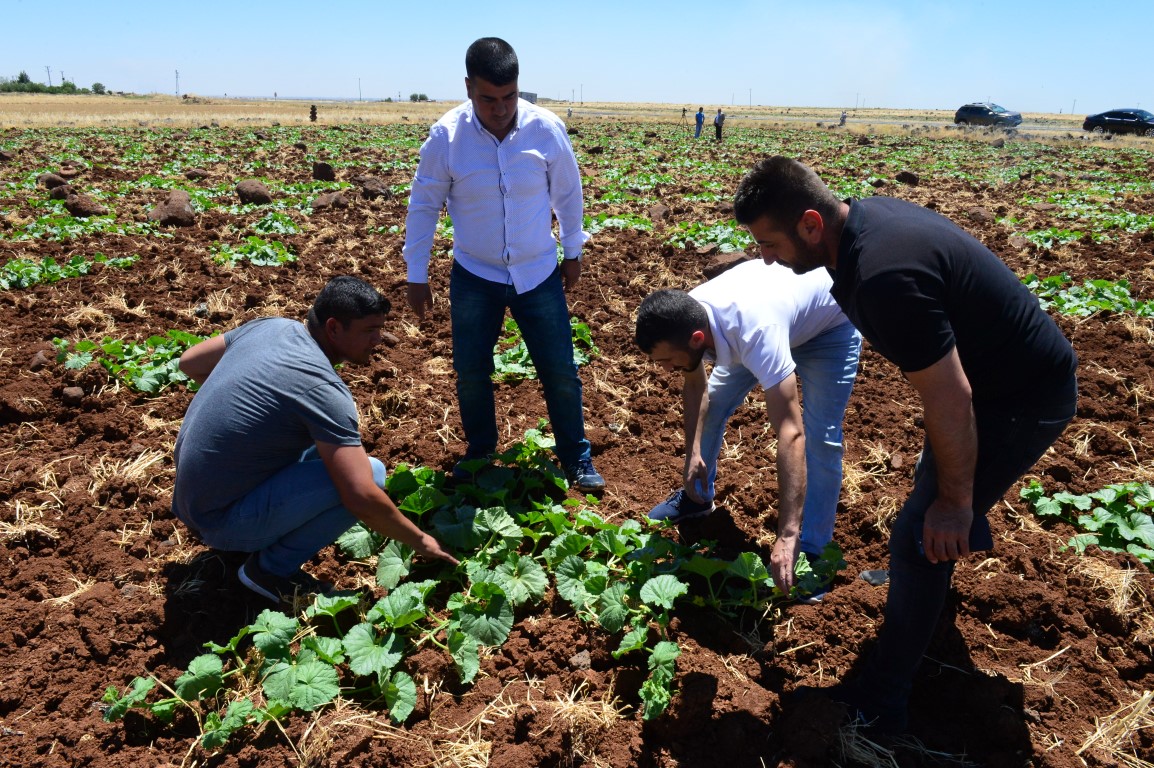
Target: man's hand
420 298
570 273
696 476
782 561
431 548
946 533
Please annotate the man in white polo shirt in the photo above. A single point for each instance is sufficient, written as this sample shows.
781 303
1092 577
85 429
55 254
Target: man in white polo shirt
763 325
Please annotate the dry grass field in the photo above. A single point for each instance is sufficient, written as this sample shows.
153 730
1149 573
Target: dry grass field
20 110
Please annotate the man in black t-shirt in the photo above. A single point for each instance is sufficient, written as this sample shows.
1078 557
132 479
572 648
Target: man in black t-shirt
994 372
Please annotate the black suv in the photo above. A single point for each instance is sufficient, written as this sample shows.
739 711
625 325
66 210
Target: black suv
1121 121
985 113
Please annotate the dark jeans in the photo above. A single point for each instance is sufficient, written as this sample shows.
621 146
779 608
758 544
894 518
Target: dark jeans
478 312
1012 436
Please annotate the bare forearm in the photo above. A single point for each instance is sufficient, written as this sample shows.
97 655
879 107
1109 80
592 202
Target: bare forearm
953 436
791 483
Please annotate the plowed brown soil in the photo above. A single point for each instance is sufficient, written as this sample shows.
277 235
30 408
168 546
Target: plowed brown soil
98 584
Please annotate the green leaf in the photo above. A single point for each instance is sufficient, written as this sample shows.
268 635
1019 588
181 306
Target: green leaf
369 653
360 542
612 610
464 650
1137 527
748 565
663 590
403 606
400 696
272 632
455 527
523 579
217 730
133 696
315 684
394 563
328 649
488 620
204 677
332 605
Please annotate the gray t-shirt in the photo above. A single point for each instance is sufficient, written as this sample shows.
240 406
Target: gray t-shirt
272 395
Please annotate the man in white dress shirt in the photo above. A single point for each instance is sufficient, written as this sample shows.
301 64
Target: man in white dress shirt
503 166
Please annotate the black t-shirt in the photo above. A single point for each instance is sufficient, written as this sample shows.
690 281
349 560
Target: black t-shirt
916 285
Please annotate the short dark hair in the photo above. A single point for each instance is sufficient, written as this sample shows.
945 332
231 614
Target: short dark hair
782 189
347 298
668 315
493 60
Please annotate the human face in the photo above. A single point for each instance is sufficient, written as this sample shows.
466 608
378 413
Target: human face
494 105
356 342
675 358
787 246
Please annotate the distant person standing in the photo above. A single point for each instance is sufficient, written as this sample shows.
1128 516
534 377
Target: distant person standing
700 118
503 167
718 121
844 115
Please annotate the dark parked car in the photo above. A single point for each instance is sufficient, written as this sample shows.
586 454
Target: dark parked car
1121 121
986 113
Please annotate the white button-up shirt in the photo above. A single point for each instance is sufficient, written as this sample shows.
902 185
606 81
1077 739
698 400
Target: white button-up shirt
500 195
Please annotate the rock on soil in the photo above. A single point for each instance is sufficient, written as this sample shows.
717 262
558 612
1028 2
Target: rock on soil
253 191
175 211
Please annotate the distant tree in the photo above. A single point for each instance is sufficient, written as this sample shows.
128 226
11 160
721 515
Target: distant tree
98 88
413 96
23 78
422 97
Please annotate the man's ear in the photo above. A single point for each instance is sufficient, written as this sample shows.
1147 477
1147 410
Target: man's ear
811 227
697 340
332 326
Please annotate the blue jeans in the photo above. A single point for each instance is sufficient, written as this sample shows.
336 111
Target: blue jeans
826 366
287 518
478 312
1012 436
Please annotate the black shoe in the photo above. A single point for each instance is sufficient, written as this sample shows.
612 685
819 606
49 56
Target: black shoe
584 477
279 589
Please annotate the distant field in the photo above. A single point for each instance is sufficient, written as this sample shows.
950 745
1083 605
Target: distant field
19 110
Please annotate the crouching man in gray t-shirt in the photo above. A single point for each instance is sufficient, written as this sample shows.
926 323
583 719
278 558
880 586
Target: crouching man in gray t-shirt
269 458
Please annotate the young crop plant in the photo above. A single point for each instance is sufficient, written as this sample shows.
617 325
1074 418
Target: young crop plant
602 221
1115 519
1059 292
517 535
62 227
511 360
24 273
727 236
255 250
149 366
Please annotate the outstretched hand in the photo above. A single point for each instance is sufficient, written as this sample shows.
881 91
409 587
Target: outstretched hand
431 548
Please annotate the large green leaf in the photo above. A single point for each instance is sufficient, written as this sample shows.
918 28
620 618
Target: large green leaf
203 678
400 696
523 579
663 590
370 653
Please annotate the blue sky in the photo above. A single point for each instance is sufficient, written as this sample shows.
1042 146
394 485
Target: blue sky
1027 55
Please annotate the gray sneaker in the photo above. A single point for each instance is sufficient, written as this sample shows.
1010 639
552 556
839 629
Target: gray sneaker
279 589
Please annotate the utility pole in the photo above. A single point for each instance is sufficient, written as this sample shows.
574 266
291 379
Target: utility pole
359 90
49 71
178 82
